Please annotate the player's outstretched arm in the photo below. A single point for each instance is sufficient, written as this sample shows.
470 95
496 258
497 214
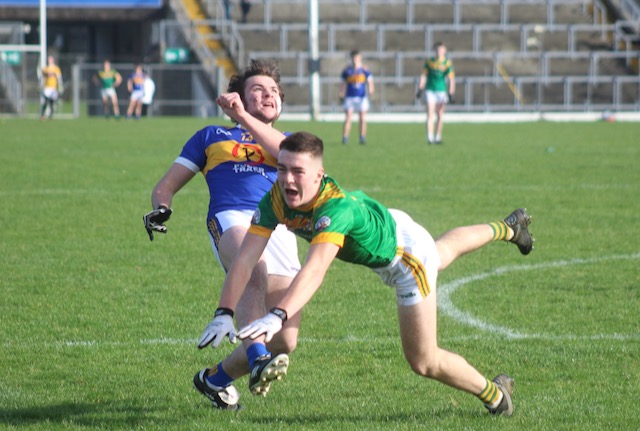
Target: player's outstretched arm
240 272
175 178
302 288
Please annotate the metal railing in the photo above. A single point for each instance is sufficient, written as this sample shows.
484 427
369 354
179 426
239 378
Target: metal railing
401 61
489 94
12 88
275 11
527 37
628 9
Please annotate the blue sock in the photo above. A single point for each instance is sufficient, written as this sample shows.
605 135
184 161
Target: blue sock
217 376
254 351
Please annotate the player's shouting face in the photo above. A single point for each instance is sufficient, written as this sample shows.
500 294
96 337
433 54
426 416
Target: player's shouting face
299 177
262 98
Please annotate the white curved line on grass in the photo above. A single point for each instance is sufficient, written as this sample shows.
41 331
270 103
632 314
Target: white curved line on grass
447 307
444 303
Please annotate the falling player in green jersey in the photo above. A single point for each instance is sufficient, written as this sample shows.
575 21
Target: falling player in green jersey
355 228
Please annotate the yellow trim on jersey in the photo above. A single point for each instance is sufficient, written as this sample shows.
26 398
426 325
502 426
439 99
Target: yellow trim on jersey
419 273
260 231
331 237
277 202
330 191
239 152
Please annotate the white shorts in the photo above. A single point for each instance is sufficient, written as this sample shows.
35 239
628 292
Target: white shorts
414 270
108 93
137 95
438 97
281 254
50 93
357 104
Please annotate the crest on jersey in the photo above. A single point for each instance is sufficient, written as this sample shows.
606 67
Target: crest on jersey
249 153
256 216
322 223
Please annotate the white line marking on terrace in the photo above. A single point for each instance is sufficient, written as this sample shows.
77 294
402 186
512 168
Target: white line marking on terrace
447 307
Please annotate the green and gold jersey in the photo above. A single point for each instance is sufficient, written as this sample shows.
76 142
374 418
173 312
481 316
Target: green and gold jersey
107 78
362 228
437 73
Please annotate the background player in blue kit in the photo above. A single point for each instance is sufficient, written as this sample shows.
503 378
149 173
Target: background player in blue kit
355 89
135 85
238 172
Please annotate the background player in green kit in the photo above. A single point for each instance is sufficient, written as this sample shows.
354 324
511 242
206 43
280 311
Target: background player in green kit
436 74
357 229
108 79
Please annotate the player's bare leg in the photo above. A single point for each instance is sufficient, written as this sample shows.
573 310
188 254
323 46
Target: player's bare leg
262 292
431 119
116 108
346 127
462 240
131 108
439 122
363 127
418 331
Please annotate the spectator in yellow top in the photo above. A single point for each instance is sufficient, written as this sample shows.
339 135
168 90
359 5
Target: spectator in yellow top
52 87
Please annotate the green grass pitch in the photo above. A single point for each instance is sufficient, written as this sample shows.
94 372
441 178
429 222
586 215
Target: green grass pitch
98 326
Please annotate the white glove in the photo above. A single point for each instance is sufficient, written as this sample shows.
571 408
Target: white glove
268 325
220 327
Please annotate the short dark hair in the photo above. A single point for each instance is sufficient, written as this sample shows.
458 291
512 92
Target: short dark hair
437 45
354 52
303 142
256 68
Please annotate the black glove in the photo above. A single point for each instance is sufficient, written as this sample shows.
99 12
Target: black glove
451 99
154 220
419 94
341 99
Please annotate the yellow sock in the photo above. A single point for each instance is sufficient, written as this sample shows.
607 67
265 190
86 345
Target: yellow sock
501 232
491 395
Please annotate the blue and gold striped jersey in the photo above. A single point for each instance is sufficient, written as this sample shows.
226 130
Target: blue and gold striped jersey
363 228
137 81
238 171
356 81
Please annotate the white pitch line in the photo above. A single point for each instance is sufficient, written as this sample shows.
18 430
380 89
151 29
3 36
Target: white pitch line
447 307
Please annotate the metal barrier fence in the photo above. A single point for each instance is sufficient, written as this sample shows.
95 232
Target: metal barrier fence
183 90
464 37
486 94
271 12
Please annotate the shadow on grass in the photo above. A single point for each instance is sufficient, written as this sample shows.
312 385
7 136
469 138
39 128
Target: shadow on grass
125 414
356 420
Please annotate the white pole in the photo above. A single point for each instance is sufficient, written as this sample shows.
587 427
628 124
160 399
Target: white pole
43 33
314 61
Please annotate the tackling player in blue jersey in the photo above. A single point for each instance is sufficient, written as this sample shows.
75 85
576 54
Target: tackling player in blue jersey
238 172
355 89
